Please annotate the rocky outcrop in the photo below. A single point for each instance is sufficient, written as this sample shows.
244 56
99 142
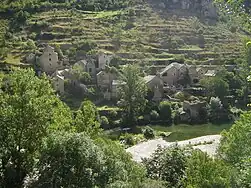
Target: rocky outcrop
204 8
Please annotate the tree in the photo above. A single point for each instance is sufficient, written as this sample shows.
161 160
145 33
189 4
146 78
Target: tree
202 171
132 92
87 119
235 144
216 87
235 148
165 111
167 165
78 72
217 113
69 160
28 108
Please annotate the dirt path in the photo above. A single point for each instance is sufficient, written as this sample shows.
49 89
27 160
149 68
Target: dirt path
207 144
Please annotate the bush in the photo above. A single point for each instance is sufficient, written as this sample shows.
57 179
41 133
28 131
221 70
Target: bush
104 121
128 139
167 165
149 133
202 169
86 46
165 111
154 115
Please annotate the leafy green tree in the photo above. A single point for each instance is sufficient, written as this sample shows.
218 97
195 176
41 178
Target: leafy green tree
167 165
78 73
120 166
87 119
203 171
216 87
236 143
217 113
28 108
132 92
165 111
69 160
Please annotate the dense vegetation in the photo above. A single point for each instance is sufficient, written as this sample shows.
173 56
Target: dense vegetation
43 143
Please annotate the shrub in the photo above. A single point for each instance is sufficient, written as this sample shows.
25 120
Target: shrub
154 115
104 121
167 165
165 111
149 133
180 96
128 139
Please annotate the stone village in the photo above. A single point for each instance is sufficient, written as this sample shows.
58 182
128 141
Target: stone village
169 80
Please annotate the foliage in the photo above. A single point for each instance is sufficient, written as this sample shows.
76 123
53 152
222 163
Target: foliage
69 160
149 133
165 111
215 86
217 113
28 108
78 72
86 46
104 121
120 167
202 171
87 119
128 139
235 144
167 165
132 92
154 115
149 183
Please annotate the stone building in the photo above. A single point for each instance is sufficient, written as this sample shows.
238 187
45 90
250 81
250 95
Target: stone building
58 81
104 59
156 85
49 61
193 108
171 74
88 66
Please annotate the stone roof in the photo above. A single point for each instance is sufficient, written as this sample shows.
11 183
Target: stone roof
210 73
149 78
176 65
118 82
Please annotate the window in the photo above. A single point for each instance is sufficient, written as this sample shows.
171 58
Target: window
165 74
49 59
90 69
49 54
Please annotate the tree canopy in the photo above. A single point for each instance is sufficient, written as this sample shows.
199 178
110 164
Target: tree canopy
28 110
132 93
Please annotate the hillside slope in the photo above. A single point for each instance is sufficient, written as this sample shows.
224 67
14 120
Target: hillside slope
145 33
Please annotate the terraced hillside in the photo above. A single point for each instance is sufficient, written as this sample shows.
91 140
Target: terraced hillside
136 34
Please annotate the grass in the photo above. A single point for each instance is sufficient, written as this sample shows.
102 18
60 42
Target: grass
184 132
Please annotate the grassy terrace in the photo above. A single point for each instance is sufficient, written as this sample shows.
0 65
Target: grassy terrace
137 37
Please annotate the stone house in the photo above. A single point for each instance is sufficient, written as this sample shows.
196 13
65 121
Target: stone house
193 74
156 85
103 60
49 61
193 108
88 66
115 88
171 74
58 81
104 79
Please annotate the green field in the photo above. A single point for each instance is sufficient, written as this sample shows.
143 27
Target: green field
184 132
